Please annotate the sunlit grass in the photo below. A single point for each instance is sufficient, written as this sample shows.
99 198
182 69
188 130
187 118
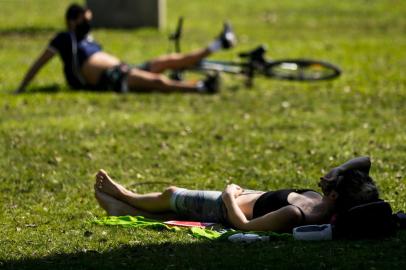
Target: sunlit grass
275 135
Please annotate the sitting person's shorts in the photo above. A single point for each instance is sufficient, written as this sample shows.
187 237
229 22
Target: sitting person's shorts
146 66
199 205
115 78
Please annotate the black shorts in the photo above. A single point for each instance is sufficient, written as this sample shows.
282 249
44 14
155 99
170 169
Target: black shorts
115 78
146 66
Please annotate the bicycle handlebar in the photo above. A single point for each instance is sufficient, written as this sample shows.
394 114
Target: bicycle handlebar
177 35
178 32
257 54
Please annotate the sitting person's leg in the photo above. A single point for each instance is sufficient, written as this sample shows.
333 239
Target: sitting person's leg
177 61
143 80
225 40
123 78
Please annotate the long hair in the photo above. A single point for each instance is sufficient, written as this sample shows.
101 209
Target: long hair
354 188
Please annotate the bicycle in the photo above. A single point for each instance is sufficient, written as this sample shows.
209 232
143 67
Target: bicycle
253 63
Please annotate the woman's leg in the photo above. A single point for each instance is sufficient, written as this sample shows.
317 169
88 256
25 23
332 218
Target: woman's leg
197 205
152 202
115 207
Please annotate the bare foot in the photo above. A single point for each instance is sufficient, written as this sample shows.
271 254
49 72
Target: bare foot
113 206
106 185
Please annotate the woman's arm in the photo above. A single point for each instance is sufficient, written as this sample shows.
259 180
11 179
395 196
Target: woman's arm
235 216
35 67
280 220
360 163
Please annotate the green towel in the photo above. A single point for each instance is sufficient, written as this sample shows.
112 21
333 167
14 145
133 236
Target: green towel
197 232
134 221
205 233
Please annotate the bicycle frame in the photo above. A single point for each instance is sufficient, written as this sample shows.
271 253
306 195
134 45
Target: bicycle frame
229 67
254 62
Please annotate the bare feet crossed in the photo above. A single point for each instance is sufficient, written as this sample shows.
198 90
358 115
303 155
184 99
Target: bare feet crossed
105 184
112 206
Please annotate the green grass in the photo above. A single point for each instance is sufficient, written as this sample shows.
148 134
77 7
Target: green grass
276 135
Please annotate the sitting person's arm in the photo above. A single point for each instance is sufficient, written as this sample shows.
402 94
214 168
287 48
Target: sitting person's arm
45 56
283 219
360 163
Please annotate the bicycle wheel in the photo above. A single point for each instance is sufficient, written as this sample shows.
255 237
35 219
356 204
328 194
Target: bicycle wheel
301 70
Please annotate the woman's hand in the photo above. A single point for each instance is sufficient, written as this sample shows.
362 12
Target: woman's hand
329 181
359 163
333 174
232 191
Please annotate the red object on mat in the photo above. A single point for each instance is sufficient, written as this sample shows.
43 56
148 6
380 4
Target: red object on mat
181 223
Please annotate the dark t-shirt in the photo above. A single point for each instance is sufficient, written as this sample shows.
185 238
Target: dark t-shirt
74 54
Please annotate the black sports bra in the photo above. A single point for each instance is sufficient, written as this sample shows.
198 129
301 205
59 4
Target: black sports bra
274 200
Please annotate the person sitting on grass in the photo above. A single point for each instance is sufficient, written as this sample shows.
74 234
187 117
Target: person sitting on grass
87 66
343 187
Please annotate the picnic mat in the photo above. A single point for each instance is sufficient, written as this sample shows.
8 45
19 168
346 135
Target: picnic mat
199 230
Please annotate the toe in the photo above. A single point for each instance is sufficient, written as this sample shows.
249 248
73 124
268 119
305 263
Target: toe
99 184
97 187
102 172
101 175
98 179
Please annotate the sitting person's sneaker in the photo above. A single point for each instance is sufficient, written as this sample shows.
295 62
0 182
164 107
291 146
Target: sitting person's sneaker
225 40
210 85
227 37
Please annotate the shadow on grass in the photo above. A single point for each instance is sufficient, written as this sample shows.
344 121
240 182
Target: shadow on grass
201 255
27 31
225 255
45 89
55 88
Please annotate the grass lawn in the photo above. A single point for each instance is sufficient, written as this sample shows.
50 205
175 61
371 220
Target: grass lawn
276 135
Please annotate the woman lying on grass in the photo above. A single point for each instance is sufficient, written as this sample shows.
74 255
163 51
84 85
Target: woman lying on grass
281 210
